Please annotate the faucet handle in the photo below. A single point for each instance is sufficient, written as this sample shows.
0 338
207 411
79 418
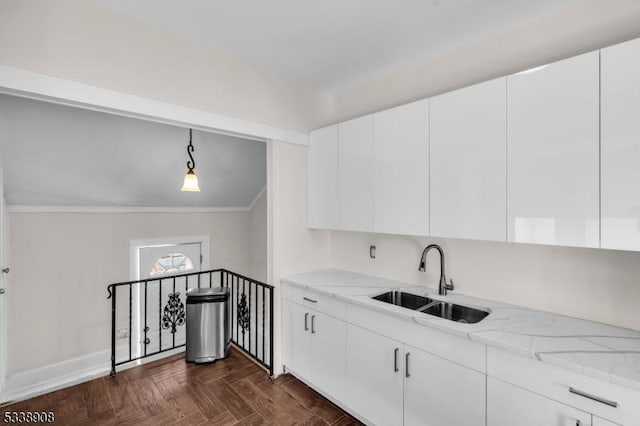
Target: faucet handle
449 286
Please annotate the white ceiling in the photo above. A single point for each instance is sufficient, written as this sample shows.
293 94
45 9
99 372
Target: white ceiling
56 155
331 44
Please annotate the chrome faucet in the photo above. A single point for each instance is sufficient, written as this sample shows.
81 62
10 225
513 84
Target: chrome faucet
443 286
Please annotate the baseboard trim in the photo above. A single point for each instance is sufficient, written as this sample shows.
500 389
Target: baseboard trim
42 380
67 373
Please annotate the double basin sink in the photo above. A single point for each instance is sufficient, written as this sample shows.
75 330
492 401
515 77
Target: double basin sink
438 308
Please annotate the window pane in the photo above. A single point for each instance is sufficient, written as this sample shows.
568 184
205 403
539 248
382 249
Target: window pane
171 263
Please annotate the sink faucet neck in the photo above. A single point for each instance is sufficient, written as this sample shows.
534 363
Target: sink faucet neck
442 285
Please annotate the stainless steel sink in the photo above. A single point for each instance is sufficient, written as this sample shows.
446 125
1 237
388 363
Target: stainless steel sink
406 300
438 308
454 312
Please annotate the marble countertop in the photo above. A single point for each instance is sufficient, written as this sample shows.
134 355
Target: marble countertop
595 349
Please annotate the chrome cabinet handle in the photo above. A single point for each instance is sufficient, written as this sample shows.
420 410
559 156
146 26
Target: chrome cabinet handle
1 290
406 365
593 397
313 324
309 300
395 360
6 270
306 321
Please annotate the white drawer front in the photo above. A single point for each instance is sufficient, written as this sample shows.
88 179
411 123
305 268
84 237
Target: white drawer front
316 301
566 386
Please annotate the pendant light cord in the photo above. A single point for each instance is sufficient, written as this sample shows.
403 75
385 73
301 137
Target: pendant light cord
190 164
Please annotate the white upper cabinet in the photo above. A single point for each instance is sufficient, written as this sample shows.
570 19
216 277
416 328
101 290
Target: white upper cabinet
355 174
469 162
401 169
322 179
553 153
620 79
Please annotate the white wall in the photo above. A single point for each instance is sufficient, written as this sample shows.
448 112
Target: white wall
293 247
258 239
81 41
579 27
600 285
61 264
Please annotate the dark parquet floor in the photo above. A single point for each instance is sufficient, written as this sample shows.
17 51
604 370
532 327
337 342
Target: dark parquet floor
233 391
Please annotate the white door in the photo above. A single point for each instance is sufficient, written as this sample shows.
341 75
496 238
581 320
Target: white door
401 169
299 318
322 179
355 174
329 354
3 288
158 264
469 162
553 154
375 376
438 392
620 78
509 405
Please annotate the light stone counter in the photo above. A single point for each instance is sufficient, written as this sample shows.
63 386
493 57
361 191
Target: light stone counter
599 350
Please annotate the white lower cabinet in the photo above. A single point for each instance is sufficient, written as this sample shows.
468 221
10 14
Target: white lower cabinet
390 383
375 376
316 348
438 392
508 405
299 346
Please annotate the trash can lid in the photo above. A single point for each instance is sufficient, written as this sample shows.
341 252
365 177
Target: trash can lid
207 291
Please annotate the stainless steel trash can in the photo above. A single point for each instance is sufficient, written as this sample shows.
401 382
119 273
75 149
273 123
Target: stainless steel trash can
208 324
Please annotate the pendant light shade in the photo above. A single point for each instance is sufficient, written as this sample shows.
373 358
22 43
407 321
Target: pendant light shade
190 182
190 179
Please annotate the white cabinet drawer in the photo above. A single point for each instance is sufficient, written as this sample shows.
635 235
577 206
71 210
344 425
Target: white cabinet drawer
566 386
316 301
509 405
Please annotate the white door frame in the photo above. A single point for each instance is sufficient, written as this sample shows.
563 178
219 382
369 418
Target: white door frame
136 245
4 316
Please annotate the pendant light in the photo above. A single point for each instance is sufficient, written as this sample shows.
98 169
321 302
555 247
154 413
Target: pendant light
190 179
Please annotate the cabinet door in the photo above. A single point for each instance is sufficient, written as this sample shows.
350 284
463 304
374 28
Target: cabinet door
329 355
438 392
299 340
355 174
553 154
621 146
375 376
322 179
401 169
469 162
509 405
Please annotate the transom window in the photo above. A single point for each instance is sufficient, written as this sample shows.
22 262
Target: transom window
171 263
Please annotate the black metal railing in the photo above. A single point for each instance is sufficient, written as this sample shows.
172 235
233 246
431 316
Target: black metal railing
148 316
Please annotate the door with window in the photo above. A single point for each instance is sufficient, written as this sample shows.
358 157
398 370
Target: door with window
160 301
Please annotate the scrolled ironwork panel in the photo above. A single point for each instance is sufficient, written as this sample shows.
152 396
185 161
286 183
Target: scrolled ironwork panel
244 317
174 314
